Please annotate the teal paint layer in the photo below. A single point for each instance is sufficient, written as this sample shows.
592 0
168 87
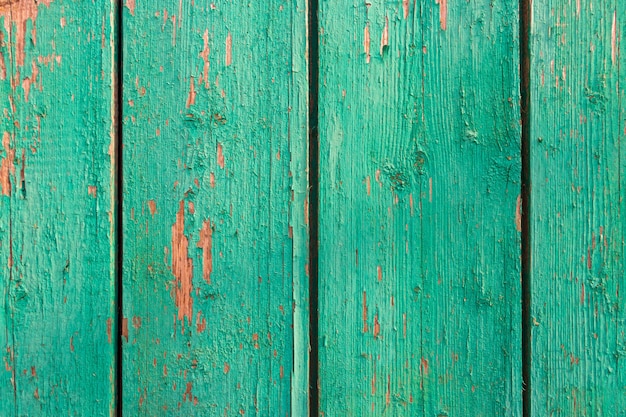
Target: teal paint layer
419 225
57 242
577 167
215 184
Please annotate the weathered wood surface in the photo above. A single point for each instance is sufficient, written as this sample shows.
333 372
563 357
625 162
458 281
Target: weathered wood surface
215 184
577 229
420 167
57 332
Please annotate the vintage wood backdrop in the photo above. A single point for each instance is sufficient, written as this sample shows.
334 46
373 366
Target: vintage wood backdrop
232 208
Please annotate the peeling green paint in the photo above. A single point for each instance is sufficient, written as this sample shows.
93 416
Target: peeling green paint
577 227
57 238
420 167
215 234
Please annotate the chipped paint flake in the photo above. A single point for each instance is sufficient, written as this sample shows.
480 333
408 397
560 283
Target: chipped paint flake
384 39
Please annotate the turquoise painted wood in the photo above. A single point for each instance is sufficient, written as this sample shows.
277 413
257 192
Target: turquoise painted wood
57 240
577 228
419 221
215 209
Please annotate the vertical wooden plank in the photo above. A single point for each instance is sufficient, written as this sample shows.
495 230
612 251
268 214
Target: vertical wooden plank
57 197
420 168
577 227
215 235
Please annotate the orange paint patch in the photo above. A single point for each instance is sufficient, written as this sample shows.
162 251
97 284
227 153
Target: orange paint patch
7 167
191 98
405 8
182 267
152 207
380 273
200 322
109 329
424 366
125 328
206 243
376 326
130 4
26 87
220 155
374 384
92 190
226 368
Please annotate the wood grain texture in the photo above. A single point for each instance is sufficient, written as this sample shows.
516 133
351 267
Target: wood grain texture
215 184
577 229
56 200
420 168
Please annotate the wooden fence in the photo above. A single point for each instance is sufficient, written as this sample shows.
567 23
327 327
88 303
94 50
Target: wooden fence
276 208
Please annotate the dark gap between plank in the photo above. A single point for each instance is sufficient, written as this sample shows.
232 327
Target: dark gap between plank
313 54
119 194
524 27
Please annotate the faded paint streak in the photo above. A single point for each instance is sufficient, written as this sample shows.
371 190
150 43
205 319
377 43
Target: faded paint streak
443 13
518 214
206 243
366 43
205 57
229 49
182 267
614 37
365 327
7 167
